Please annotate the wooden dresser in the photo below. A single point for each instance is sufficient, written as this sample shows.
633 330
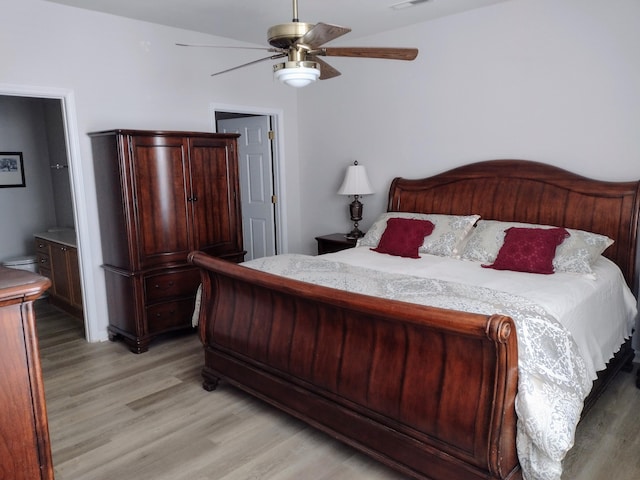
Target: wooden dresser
161 195
25 452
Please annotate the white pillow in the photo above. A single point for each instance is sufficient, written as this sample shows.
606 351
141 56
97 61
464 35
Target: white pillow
575 254
449 231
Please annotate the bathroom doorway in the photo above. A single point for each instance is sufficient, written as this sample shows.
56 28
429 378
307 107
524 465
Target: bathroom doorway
35 127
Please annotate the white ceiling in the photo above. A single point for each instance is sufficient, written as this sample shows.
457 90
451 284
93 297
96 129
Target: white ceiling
248 20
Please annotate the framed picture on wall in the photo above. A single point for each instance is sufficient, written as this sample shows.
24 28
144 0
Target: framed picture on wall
11 169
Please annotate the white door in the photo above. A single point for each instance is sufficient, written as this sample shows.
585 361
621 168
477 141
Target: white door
256 183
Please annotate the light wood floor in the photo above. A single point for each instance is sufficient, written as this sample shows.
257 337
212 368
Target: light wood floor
113 415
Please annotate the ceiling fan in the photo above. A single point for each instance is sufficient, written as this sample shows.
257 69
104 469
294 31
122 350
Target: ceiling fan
301 43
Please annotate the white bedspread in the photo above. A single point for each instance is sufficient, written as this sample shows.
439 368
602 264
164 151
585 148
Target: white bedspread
559 319
599 313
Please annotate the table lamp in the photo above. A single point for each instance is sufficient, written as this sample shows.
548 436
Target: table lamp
355 183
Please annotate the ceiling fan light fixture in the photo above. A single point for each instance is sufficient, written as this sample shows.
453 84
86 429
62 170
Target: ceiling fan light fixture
297 74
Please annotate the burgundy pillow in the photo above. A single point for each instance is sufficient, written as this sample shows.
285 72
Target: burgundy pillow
529 249
403 237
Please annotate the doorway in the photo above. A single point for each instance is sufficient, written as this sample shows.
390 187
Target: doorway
67 136
255 166
261 176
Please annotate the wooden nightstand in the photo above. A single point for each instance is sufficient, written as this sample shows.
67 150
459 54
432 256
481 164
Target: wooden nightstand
334 243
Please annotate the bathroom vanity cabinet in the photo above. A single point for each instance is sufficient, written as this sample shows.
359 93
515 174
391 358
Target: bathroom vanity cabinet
58 260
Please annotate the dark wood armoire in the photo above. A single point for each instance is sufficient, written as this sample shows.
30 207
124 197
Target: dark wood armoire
162 194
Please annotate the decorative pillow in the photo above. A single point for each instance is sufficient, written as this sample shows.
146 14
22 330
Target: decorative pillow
529 249
579 252
576 254
403 236
448 233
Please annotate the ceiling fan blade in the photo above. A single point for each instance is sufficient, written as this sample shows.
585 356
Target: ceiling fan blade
368 52
266 49
321 33
326 70
272 57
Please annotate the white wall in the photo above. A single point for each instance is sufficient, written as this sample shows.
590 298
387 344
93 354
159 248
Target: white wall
25 210
555 81
60 181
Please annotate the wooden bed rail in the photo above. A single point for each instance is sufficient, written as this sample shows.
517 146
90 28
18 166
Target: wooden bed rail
427 391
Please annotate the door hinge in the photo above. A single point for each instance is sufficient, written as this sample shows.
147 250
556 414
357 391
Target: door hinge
271 135
274 199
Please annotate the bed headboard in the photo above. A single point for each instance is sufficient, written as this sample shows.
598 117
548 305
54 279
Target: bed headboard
532 192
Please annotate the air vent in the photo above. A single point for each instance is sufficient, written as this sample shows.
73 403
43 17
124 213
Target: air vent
407 4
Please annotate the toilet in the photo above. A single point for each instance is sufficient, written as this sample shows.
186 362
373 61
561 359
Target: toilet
27 262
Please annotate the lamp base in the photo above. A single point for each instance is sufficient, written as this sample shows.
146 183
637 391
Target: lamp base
355 210
355 233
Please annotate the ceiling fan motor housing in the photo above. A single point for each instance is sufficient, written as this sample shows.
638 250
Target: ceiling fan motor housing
286 34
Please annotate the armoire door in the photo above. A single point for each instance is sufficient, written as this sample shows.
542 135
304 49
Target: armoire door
161 199
214 190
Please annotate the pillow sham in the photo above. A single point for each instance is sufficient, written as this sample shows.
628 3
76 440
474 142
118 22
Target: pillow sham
448 233
530 250
576 254
403 237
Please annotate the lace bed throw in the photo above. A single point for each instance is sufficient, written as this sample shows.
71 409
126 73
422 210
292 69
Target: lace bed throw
552 380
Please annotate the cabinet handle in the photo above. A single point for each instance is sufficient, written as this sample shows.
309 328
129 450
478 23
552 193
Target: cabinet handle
192 199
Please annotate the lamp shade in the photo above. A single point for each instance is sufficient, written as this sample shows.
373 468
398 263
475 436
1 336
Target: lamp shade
355 181
297 74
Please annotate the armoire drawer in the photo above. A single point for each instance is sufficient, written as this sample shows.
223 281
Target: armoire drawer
175 284
167 316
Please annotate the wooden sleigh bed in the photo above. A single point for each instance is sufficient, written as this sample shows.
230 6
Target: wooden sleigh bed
427 391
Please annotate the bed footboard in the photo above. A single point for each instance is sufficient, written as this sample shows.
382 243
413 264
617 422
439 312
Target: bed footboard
429 392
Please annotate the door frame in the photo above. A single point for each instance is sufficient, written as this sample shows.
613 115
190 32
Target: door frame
78 195
278 161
